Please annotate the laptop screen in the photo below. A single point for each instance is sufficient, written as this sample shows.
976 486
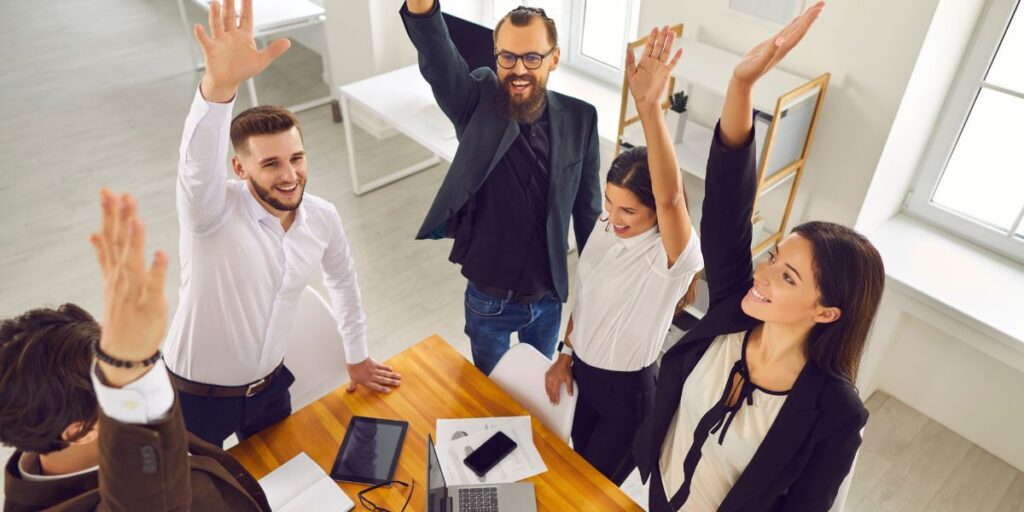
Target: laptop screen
437 492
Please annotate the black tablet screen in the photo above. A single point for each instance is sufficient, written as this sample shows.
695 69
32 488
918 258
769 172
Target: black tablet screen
369 452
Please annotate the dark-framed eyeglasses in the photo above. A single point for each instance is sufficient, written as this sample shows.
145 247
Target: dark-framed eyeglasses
372 507
531 60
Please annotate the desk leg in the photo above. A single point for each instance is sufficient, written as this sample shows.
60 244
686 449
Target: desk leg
250 84
196 61
405 172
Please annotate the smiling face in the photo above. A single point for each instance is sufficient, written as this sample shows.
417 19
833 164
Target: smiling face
626 214
524 91
785 291
275 166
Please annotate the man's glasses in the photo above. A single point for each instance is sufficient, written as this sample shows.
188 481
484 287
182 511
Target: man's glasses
372 507
531 60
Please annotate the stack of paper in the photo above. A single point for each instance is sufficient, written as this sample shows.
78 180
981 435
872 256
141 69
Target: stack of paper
457 438
300 486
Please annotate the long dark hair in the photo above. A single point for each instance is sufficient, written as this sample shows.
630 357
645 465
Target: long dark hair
630 171
850 276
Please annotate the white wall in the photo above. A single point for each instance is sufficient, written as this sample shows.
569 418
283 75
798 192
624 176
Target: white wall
869 46
953 373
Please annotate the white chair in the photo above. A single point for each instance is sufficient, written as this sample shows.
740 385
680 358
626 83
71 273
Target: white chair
315 354
520 372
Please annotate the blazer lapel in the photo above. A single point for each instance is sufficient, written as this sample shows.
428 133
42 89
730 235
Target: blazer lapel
786 436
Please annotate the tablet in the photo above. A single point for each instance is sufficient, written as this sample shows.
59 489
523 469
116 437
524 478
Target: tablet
369 452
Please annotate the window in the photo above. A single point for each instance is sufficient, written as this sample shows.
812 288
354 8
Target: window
972 182
591 33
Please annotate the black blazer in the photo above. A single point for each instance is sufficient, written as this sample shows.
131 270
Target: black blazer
811 445
485 134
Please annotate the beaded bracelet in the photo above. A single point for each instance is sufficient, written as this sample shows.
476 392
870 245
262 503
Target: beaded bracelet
121 363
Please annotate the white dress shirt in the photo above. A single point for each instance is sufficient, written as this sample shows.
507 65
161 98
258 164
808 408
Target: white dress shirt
241 273
625 295
720 465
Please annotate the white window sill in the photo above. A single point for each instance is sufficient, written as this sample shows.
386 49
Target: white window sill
971 284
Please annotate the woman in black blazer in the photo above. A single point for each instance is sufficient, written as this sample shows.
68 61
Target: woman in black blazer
797 326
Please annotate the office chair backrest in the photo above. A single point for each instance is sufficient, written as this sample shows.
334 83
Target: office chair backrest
520 372
315 353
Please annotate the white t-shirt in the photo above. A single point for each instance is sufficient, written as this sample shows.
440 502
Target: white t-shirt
720 465
625 295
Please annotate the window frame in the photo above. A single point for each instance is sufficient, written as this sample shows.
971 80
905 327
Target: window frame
969 82
573 54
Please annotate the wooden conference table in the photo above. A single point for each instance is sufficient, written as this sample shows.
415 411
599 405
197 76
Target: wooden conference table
437 382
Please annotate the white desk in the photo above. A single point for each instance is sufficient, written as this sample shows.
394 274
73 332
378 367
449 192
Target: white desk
397 97
270 17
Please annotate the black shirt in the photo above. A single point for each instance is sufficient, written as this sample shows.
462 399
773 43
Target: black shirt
506 247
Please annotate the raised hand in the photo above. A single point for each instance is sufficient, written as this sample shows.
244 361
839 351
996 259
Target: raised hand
134 303
648 79
230 51
768 53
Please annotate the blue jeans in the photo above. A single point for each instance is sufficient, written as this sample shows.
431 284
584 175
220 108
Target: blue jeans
490 322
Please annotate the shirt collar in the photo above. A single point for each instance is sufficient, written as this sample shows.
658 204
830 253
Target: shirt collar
31 470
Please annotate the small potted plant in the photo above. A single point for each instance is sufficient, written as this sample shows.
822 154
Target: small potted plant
676 116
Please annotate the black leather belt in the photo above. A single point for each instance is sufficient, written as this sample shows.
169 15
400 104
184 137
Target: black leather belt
510 295
246 390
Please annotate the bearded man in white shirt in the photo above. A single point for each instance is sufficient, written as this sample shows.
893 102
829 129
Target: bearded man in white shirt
249 247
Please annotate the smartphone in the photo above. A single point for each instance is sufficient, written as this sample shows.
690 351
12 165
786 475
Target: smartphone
489 454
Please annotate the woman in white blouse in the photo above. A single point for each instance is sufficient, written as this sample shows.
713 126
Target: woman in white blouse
639 262
756 408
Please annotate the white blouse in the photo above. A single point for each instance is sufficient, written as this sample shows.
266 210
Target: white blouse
720 463
624 297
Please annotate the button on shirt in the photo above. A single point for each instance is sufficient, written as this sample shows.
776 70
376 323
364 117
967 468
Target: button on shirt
241 273
625 295
507 245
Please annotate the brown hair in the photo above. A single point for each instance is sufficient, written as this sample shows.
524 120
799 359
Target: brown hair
630 171
850 276
45 356
261 120
522 16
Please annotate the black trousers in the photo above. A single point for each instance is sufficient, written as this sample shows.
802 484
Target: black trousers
610 407
213 419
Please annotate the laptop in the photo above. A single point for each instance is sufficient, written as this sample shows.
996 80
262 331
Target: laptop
517 497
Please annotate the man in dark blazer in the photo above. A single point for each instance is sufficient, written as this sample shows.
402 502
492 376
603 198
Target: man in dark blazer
106 432
528 159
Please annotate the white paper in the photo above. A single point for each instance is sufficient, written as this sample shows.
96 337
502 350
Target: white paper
299 485
457 438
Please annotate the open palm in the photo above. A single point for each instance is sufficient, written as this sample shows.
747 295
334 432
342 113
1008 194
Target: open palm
765 55
648 78
230 50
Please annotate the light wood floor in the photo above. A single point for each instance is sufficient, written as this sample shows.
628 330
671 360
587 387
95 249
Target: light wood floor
95 94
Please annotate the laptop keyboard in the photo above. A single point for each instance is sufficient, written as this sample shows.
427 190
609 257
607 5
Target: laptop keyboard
478 499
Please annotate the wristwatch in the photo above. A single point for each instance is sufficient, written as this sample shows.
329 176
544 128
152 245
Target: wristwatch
564 349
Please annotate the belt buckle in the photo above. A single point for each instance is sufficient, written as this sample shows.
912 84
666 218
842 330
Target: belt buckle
251 390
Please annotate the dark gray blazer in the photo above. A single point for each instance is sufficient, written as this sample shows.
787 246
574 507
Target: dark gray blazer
485 134
810 447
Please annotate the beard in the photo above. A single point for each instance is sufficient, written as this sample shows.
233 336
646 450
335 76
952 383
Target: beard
264 194
526 110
